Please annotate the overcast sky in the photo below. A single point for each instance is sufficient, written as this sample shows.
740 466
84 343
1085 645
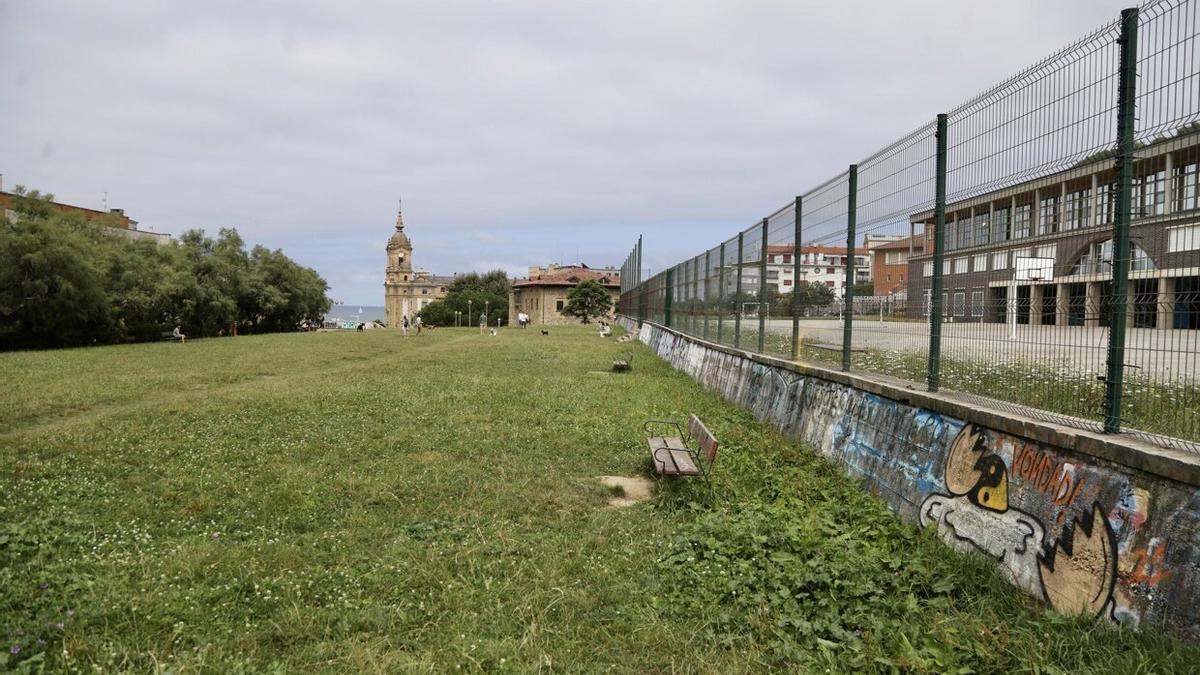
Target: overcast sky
518 133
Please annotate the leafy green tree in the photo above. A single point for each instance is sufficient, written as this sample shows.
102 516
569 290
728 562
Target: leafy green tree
811 295
475 292
586 300
65 281
863 289
52 291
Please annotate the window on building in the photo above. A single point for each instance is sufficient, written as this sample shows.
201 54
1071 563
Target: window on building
1097 259
829 284
787 258
1000 225
1046 251
977 302
1149 194
927 269
965 238
559 304
960 302
889 276
1185 238
1187 182
424 291
945 267
902 276
983 230
1106 203
1076 207
979 264
951 234
960 265
829 270
1000 260
1048 215
1022 216
787 282
895 257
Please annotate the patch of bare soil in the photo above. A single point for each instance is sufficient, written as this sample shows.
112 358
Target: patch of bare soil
628 490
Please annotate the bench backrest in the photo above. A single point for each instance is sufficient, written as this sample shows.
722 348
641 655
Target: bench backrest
708 442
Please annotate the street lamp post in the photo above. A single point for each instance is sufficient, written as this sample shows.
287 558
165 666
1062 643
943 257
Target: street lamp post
469 315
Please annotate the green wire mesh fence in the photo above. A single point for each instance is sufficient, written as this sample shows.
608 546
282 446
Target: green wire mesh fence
1064 280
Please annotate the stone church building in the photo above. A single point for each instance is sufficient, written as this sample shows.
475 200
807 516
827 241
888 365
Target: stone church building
406 291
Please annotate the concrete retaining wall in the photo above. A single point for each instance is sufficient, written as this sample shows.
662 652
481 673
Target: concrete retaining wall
1063 520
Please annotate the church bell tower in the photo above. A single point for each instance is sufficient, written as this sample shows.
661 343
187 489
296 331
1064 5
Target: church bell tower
399 276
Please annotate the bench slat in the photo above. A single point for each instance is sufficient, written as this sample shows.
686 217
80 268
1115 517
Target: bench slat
708 443
678 463
656 442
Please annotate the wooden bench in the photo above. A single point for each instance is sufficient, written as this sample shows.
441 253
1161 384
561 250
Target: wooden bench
170 335
623 362
674 455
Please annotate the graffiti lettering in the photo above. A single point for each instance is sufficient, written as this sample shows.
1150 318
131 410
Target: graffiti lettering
1148 564
1047 474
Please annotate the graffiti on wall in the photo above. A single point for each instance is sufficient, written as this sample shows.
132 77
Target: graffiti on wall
1085 536
1075 574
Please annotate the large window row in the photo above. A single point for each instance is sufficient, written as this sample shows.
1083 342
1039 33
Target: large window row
1073 210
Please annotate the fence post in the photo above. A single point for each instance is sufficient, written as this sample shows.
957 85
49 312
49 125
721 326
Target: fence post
762 292
796 286
737 296
1126 95
939 253
670 295
637 274
708 262
695 305
848 291
721 296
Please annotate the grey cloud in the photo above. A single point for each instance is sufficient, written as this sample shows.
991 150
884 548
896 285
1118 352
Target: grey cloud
517 132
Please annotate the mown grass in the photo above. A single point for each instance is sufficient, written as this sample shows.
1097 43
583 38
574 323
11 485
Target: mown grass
366 503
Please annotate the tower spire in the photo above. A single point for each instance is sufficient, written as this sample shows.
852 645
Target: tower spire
400 214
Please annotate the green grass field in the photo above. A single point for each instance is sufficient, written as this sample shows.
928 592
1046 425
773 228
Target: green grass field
366 503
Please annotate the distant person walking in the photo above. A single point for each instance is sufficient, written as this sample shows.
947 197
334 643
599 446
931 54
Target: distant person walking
176 335
417 323
482 322
404 325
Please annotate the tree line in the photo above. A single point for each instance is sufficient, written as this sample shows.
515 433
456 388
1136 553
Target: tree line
66 281
471 295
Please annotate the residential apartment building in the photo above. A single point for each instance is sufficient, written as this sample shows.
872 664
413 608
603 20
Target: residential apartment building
818 264
889 263
542 296
1066 221
118 223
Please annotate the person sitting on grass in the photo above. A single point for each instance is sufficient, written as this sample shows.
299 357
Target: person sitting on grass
176 335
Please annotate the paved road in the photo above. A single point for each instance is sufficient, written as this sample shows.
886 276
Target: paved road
1163 354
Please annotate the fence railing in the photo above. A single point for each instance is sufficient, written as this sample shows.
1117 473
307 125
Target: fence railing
1036 248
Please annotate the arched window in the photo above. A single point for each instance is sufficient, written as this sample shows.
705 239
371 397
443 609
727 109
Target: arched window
1097 259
